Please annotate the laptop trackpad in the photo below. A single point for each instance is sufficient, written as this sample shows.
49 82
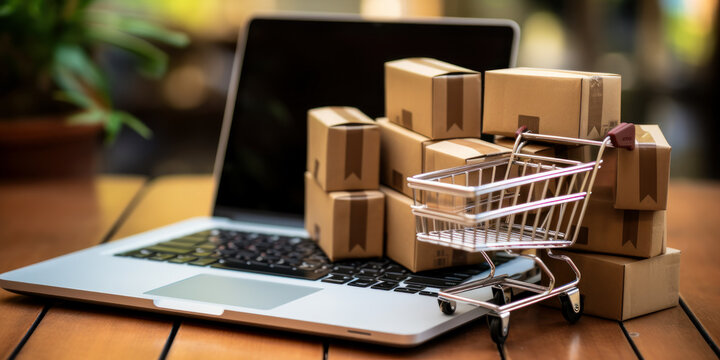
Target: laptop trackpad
223 290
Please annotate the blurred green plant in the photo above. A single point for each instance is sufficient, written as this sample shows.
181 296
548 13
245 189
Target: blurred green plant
46 62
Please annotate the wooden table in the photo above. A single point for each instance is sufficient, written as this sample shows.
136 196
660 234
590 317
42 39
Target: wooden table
44 219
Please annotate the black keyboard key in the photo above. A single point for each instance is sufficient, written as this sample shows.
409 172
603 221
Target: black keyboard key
337 279
343 271
432 282
169 249
395 269
203 261
234 264
369 272
393 277
415 286
385 285
428 293
363 282
181 259
406 290
161 257
453 278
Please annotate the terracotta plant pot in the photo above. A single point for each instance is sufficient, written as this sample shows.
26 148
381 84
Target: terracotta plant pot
48 147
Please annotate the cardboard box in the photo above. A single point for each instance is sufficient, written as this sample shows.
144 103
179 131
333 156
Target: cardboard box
401 155
622 232
433 98
343 149
643 173
457 152
553 102
621 288
578 153
402 245
346 224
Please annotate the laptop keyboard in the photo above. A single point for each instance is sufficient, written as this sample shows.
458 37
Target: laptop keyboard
299 258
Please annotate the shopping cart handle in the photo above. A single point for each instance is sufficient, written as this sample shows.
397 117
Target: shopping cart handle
623 136
520 130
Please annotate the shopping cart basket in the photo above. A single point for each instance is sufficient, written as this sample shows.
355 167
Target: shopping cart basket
510 203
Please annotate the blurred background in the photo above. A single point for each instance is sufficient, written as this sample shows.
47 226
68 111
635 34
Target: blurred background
665 50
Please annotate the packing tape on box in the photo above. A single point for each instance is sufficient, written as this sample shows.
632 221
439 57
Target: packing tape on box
398 180
454 94
354 145
531 122
407 119
454 99
630 227
648 164
595 104
358 221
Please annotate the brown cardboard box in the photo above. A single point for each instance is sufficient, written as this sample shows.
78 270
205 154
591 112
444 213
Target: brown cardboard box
346 224
621 288
554 102
402 246
578 153
643 173
433 98
343 151
622 232
401 155
457 152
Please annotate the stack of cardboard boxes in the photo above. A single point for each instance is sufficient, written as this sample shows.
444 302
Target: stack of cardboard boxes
433 122
627 271
344 211
434 119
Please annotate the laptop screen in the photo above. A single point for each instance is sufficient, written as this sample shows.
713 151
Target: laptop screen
290 66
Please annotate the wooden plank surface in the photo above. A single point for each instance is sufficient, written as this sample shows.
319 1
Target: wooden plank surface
43 219
694 227
79 331
196 340
167 200
668 334
163 201
540 332
471 341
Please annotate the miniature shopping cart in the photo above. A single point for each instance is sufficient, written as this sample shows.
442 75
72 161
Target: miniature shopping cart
512 203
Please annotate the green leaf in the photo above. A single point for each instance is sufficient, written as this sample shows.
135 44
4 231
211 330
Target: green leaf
9 7
153 61
138 27
112 127
92 116
74 60
135 124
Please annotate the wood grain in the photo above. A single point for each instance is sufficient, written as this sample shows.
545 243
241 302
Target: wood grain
668 334
77 331
163 201
694 227
196 340
540 332
43 219
471 341
167 200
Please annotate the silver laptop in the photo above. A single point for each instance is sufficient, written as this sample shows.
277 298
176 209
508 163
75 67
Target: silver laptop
251 262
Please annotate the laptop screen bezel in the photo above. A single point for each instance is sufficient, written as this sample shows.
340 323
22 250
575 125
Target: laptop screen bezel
292 220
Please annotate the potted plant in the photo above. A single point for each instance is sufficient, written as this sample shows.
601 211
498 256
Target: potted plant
54 98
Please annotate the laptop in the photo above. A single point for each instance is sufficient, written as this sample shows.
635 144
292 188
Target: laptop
251 261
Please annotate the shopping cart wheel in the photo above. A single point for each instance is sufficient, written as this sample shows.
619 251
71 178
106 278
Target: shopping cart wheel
571 305
447 306
499 327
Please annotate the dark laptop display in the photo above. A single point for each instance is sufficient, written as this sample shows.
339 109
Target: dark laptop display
284 74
